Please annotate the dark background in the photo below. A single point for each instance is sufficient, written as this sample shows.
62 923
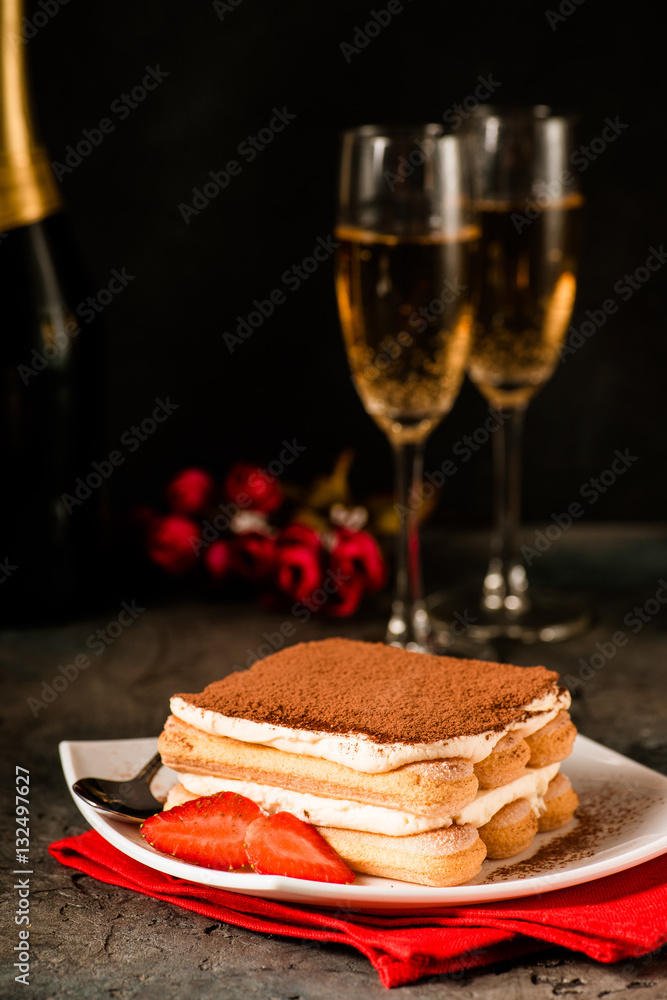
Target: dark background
227 71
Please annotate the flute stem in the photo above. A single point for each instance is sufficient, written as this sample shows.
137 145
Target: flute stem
505 583
408 626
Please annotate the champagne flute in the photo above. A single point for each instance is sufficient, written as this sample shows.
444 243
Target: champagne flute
530 215
407 234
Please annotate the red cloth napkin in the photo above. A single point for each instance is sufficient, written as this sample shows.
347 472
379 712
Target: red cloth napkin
609 919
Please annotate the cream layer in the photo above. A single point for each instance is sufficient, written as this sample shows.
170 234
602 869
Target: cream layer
348 815
359 751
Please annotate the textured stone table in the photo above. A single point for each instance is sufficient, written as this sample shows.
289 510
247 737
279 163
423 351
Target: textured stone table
90 940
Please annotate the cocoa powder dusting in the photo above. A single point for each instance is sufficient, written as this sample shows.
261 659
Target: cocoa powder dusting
606 812
388 694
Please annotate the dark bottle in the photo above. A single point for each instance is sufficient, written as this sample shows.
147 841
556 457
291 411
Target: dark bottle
51 385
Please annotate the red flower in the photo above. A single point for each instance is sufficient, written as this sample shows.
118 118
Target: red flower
218 559
253 555
298 570
346 599
170 543
357 555
190 491
249 483
300 534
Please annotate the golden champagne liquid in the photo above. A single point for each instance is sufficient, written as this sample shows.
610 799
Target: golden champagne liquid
405 308
527 293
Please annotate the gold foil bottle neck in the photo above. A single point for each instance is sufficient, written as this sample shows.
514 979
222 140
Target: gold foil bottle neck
28 189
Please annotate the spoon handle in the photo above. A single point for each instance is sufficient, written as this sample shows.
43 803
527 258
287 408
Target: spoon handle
150 769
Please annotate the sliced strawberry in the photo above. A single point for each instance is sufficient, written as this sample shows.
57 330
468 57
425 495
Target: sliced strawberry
208 831
284 845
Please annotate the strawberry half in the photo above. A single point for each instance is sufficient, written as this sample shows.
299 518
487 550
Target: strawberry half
284 845
208 831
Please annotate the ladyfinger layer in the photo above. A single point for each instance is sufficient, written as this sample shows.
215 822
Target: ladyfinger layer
440 858
551 743
431 789
427 788
512 829
320 810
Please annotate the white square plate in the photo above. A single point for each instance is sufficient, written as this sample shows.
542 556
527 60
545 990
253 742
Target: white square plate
621 822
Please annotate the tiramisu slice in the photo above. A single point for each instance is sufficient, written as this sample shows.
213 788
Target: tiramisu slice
412 766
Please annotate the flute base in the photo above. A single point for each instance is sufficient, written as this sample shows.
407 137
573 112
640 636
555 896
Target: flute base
418 634
408 627
550 617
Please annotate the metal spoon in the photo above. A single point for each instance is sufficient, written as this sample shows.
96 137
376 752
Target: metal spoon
130 799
